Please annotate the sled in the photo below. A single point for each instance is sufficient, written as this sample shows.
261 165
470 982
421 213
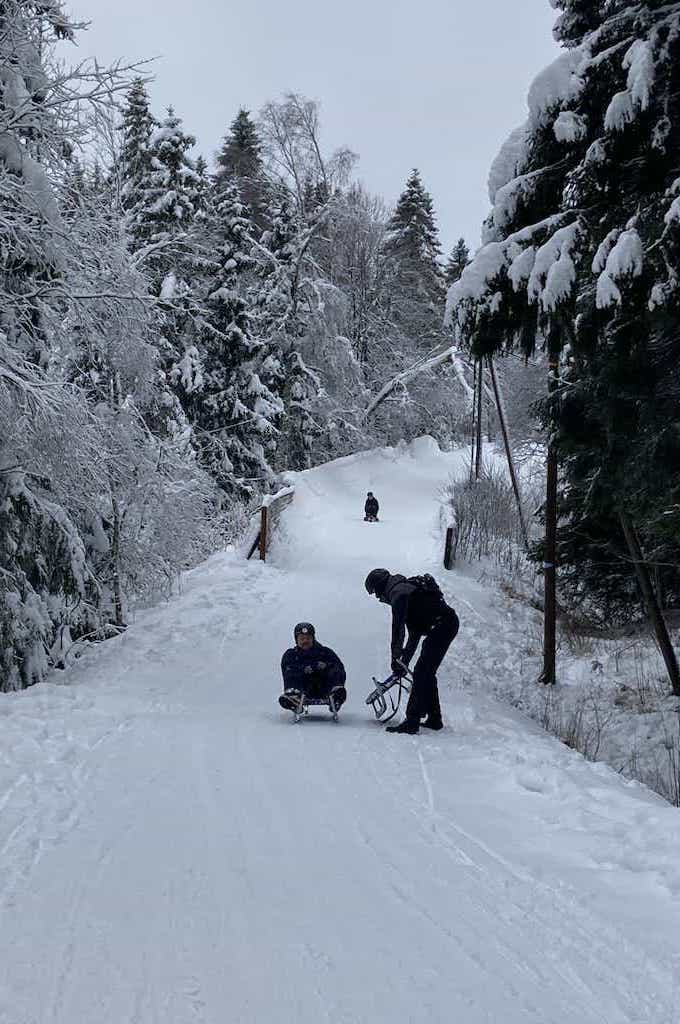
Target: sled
377 697
305 703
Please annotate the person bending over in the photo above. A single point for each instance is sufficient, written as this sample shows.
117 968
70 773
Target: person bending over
418 606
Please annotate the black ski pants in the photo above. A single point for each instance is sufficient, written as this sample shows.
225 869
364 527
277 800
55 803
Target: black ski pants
424 697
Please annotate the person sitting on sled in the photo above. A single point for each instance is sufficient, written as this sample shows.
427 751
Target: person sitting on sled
312 670
371 508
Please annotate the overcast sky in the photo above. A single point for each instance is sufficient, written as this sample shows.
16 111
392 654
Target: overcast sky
436 84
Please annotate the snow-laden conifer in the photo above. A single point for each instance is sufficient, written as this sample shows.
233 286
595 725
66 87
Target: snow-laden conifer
234 410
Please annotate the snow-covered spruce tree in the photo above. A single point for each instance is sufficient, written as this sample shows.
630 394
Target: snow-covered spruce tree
134 162
234 412
408 328
204 188
280 326
572 193
168 196
240 161
415 284
620 425
457 262
171 195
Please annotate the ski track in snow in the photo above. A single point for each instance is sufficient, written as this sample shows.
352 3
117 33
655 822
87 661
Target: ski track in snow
176 851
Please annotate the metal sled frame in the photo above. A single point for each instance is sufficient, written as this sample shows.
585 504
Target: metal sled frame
377 698
305 703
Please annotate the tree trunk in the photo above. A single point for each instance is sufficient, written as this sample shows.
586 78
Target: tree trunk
656 619
115 557
548 675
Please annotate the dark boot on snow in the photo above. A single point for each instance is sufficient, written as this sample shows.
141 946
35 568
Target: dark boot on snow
432 723
290 700
408 727
338 695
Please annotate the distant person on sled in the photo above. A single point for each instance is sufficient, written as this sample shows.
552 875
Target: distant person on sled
418 606
311 671
371 508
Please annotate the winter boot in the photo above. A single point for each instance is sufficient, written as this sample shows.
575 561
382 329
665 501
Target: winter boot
432 723
407 726
290 700
338 695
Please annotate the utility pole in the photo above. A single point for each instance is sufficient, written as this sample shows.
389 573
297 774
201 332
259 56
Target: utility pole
548 675
508 450
651 603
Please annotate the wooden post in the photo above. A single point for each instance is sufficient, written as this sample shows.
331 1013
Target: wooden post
508 450
448 548
548 675
656 619
263 533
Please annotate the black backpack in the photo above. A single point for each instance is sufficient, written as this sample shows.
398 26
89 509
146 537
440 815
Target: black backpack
427 584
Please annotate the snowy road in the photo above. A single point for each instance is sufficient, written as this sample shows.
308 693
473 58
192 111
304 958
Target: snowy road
175 851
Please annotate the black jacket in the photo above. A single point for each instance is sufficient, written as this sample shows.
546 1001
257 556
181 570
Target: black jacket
371 507
414 610
319 662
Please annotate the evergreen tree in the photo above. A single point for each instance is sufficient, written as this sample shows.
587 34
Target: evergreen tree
203 187
579 251
169 193
457 262
414 280
135 158
234 409
282 323
240 160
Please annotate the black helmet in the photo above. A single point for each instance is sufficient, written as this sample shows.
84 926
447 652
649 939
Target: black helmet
370 494
376 581
303 627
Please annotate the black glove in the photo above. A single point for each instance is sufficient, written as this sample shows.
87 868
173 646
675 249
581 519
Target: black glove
398 669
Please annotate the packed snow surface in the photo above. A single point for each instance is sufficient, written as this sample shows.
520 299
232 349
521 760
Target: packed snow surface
176 851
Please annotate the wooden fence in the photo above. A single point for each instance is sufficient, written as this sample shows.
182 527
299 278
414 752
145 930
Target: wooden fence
269 512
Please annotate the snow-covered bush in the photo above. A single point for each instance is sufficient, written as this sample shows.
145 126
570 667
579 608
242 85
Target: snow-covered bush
486 521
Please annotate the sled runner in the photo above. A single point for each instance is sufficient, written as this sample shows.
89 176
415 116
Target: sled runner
377 698
305 703
300 704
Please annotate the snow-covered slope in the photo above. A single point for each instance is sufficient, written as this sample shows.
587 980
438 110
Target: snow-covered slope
176 851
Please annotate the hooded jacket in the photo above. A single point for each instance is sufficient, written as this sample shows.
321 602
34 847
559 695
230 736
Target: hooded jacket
298 667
